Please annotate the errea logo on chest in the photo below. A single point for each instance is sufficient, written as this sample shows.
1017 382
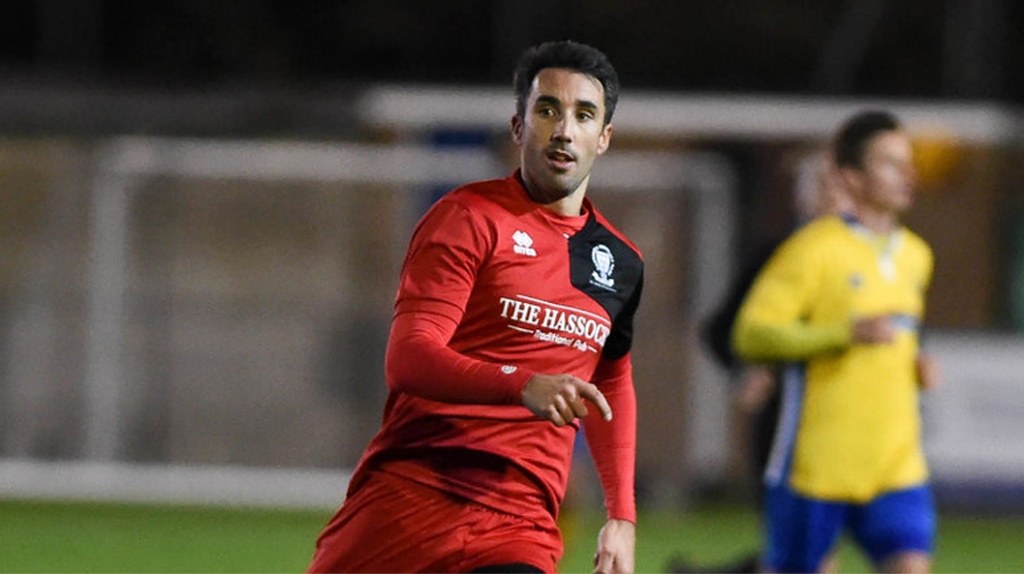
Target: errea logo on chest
523 244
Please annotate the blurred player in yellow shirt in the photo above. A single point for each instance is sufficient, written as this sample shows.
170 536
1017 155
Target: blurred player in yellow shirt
842 300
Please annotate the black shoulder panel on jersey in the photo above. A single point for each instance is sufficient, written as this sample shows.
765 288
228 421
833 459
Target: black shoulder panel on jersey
611 272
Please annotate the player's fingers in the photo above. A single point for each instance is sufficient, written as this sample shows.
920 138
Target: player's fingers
564 408
603 563
555 416
590 392
579 406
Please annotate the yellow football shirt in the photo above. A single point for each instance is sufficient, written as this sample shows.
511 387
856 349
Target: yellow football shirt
850 426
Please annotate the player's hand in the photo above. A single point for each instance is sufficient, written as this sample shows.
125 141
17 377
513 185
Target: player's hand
873 330
616 545
561 398
756 387
927 372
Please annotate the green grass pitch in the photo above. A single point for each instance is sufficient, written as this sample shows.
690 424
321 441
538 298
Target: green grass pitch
40 536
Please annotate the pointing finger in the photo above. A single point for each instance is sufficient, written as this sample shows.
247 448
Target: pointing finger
579 406
595 396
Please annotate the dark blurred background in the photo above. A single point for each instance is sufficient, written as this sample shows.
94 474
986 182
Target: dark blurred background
947 49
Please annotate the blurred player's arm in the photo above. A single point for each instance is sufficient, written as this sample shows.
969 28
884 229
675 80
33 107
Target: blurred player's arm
759 339
768 342
770 325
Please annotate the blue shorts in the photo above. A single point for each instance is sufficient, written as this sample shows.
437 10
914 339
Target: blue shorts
801 531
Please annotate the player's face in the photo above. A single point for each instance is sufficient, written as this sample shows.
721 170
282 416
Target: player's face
888 173
561 134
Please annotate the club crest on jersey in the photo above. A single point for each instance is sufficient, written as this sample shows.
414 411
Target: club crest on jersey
604 264
524 243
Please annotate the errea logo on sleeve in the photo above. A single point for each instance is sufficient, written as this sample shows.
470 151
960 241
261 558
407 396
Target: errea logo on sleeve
524 243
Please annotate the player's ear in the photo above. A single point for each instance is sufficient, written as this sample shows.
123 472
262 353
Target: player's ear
849 177
604 140
517 129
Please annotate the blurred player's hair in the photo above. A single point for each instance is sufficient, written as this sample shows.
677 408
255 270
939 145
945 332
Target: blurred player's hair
851 141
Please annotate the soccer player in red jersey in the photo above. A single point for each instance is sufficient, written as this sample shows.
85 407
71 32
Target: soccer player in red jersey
512 330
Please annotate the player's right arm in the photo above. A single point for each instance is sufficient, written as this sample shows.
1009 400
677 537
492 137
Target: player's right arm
447 248
418 357
771 325
769 341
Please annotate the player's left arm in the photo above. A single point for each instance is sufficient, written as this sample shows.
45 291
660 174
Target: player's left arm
613 448
613 443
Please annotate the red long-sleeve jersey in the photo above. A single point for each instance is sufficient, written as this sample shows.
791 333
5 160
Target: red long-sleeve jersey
495 288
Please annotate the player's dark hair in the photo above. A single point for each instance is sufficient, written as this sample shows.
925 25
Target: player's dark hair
852 139
570 56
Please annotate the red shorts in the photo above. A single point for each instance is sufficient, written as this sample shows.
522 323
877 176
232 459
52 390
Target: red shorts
392 524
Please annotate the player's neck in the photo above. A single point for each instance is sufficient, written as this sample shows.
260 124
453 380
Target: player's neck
877 221
572 204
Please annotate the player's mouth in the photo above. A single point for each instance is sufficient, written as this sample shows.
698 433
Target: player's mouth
560 159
